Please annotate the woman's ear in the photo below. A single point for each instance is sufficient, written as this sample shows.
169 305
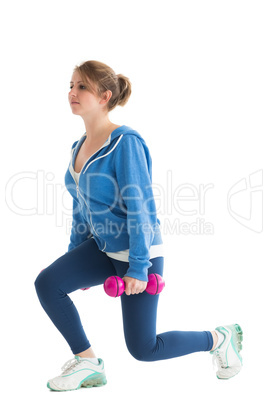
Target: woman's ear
106 97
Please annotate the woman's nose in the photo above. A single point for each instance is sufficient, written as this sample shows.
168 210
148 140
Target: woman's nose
72 92
72 97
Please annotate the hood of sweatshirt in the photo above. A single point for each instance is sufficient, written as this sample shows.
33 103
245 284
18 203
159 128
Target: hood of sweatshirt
109 145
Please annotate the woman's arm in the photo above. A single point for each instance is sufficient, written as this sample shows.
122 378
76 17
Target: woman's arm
133 173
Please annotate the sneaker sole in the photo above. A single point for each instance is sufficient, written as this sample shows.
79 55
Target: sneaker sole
89 382
94 382
237 337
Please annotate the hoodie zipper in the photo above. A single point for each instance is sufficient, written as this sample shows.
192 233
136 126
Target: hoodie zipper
77 183
78 193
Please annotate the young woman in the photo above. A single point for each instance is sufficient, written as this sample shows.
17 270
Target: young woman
116 232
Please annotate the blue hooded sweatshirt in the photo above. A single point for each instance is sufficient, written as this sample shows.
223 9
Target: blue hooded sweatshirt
113 200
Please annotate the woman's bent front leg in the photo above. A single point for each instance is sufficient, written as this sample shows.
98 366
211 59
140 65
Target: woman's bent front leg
84 266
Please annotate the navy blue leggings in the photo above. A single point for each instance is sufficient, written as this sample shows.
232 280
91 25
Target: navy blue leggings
87 266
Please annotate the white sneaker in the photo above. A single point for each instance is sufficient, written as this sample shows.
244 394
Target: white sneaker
227 355
79 372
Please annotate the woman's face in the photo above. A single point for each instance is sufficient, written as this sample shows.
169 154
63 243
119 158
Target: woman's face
82 101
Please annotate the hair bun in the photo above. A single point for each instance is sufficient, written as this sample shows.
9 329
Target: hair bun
124 89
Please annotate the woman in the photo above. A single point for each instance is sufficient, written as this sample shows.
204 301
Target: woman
115 231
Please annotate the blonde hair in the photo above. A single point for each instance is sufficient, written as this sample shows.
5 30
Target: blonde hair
104 78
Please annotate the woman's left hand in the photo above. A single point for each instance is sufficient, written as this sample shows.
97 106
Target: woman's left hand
134 286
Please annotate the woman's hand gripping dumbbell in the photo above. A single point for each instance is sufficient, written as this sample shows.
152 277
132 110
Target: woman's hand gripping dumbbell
114 286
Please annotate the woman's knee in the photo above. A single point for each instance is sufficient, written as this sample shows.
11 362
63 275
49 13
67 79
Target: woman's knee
39 282
139 352
44 284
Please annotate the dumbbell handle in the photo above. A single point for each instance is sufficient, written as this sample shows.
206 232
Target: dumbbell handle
114 286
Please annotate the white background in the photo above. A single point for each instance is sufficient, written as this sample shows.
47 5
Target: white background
199 77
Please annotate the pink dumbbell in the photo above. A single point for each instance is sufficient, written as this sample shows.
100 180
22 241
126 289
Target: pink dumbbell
114 286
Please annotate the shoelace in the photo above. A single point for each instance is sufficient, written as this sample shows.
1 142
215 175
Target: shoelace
217 360
69 365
